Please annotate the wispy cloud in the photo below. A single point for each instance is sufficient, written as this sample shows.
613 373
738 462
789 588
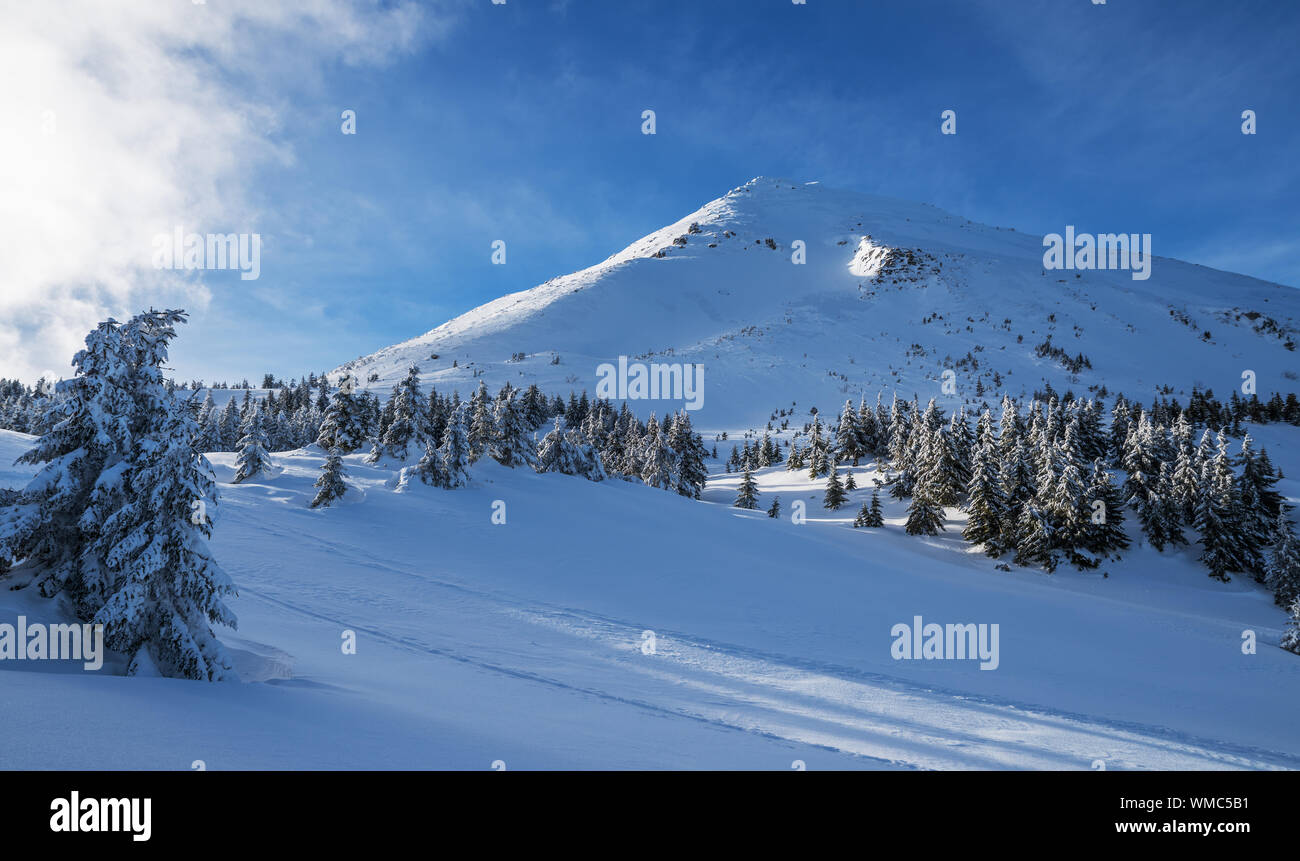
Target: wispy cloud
127 118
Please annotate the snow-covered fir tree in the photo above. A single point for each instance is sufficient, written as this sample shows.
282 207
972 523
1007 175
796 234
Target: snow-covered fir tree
876 512
1283 571
691 469
658 461
987 505
253 460
1158 511
835 495
209 430
512 444
1106 535
1260 505
1217 514
795 461
567 451
480 426
747 497
119 517
924 513
1035 544
818 454
871 515
848 437
455 449
869 430
229 424
330 484
407 429
1291 636
344 424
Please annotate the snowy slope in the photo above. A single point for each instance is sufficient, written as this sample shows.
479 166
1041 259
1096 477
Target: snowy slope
522 642
892 294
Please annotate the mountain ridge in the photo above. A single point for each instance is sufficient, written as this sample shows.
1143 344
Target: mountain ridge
890 295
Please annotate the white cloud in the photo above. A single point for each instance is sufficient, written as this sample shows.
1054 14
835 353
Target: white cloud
120 119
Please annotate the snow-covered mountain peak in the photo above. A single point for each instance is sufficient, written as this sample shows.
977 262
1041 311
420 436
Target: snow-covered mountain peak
797 292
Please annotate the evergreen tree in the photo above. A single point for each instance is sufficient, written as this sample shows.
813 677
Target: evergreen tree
818 460
1120 425
429 470
1158 512
835 495
961 442
1139 461
871 516
924 514
692 472
941 469
877 513
795 461
748 495
554 454
1186 479
111 521
408 428
511 443
229 424
591 465
1217 514
568 452
848 436
455 450
168 589
1010 430
253 460
331 482
987 507
344 424
1291 637
209 432
869 431
1092 439
658 462
1260 505
1034 544
1106 522
1283 573
481 426
863 514
1017 485
774 510
900 430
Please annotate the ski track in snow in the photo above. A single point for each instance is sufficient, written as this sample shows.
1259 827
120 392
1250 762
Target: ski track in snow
866 715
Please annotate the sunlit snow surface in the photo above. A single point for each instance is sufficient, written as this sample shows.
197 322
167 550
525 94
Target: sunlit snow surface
522 642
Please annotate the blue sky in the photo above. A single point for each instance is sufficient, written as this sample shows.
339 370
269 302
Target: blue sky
522 122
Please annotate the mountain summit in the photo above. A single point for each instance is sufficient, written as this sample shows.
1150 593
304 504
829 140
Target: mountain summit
787 292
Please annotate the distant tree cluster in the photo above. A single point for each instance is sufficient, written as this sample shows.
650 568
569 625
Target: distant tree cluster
585 437
1050 483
